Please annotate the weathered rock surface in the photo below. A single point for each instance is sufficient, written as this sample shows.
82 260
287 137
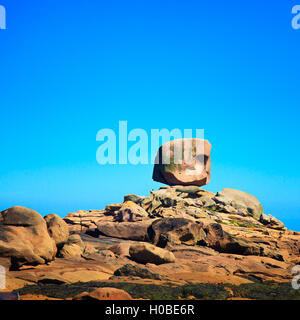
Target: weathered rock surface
222 241
130 270
176 231
82 220
57 228
130 212
20 216
240 200
271 221
126 230
73 247
148 253
120 249
134 198
183 162
24 237
208 240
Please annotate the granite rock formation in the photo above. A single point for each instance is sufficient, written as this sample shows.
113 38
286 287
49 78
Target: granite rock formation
178 236
183 162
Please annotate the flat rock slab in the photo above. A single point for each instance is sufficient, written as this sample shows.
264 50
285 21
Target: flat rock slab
126 230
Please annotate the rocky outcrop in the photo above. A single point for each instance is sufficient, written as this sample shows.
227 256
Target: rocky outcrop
130 212
189 215
180 234
239 201
183 162
57 228
176 231
148 253
83 220
222 241
24 237
271 221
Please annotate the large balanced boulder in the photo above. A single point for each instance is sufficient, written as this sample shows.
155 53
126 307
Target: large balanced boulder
175 231
24 237
240 201
148 253
183 162
57 228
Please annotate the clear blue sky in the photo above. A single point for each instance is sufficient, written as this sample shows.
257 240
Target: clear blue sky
70 68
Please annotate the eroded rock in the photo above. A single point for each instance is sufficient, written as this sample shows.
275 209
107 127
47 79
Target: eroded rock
130 270
192 169
73 247
271 221
130 212
240 201
148 253
24 237
176 231
126 230
57 228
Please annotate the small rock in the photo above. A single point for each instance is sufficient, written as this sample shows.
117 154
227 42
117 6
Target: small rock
70 250
188 189
264 219
130 212
148 253
207 202
136 271
57 228
76 239
73 247
107 254
271 221
134 198
121 249
112 208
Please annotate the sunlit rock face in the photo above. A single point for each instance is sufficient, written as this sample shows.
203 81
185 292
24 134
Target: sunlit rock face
183 162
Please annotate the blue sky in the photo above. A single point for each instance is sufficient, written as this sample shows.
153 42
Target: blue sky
70 68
